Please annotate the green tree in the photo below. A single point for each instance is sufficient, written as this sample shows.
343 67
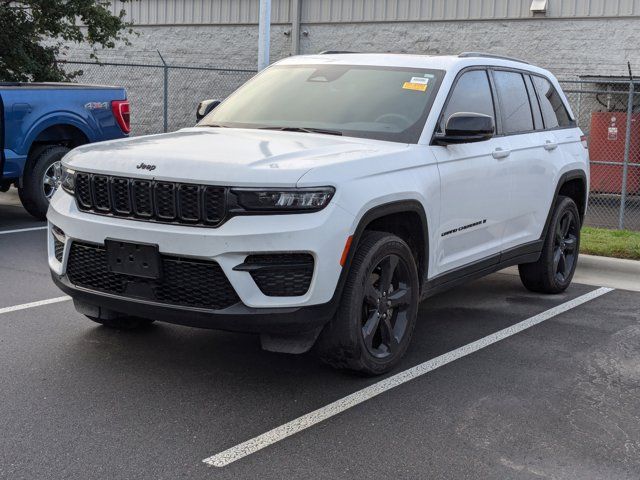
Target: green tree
33 34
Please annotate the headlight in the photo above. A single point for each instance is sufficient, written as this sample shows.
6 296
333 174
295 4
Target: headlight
293 200
68 180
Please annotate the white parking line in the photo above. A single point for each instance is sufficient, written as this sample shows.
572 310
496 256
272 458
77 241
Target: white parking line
39 303
4 232
301 423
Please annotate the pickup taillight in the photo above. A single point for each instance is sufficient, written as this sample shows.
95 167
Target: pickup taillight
122 114
585 141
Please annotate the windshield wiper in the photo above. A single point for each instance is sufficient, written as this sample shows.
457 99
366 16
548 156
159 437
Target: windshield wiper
303 129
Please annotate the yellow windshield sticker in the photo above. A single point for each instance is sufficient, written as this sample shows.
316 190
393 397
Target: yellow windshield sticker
416 83
420 87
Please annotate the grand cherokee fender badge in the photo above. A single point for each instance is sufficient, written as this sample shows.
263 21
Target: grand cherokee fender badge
144 166
465 227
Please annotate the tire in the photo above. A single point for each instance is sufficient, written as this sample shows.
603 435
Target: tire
34 193
553 272
123 323
369 335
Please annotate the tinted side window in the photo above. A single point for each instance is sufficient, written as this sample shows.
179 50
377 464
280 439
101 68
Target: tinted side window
472 93
535 105
514 102
553 110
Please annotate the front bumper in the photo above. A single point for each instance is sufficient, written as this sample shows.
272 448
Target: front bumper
237 318
321 234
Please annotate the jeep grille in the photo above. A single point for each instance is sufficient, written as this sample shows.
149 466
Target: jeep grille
151 200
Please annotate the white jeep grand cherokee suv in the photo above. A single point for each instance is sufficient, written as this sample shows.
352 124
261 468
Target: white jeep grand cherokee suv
324 199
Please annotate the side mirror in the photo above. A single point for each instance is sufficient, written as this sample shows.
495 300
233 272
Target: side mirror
205 107
465 127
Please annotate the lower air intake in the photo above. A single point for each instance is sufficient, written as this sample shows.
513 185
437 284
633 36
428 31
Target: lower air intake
184 282
281 274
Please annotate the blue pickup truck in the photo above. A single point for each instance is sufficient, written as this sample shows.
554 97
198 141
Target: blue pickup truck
41 122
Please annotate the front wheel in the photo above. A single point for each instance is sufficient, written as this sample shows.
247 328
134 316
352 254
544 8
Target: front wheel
377 314
553 272
42 180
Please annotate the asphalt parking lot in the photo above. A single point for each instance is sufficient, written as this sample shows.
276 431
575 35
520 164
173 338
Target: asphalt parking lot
557 400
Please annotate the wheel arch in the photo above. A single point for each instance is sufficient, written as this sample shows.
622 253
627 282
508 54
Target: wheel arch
572 184
60 134
87 126
63 134
404 218
576 188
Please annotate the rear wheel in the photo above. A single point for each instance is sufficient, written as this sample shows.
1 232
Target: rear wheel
377 314
553 272
123 323
42 180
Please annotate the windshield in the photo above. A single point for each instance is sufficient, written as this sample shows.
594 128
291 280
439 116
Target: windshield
384 103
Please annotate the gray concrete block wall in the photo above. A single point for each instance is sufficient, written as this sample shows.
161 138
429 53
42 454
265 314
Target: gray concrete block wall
227 46
567 47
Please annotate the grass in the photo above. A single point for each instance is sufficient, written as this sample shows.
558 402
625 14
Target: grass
610 243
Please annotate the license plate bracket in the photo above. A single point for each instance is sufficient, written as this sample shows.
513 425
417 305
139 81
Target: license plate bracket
134 259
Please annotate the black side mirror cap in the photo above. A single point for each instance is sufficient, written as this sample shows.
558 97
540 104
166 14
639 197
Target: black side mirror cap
466 127
205 107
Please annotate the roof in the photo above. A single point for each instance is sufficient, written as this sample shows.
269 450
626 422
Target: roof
436 62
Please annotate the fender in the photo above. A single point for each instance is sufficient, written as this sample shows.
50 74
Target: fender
564 178
379 211
57 118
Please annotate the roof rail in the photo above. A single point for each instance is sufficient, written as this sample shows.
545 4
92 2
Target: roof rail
490 55
334 52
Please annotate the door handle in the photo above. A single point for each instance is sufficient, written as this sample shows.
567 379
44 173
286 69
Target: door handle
499 153
549 145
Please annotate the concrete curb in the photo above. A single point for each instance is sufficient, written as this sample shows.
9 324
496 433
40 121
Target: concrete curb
603 272
620 265
608 272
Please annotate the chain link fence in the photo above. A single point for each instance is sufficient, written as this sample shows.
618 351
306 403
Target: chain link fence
164 98
608 111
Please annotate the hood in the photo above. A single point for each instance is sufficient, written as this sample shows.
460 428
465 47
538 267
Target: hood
223 156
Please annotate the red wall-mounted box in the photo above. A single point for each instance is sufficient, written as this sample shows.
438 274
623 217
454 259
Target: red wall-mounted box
606 144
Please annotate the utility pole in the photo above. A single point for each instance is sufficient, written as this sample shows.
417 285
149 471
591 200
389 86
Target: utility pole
264 34
295 27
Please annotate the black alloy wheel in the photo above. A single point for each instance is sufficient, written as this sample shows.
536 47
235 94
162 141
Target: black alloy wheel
385 307
373 326
554 269
565 247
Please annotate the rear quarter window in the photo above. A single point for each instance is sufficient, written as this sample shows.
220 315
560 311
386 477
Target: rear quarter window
554 112
535 104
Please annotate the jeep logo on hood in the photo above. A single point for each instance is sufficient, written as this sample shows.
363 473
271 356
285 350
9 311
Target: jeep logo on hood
144 166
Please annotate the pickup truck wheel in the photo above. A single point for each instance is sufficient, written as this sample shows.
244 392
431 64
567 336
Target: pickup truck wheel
553 272
123 323
42 180
377 313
